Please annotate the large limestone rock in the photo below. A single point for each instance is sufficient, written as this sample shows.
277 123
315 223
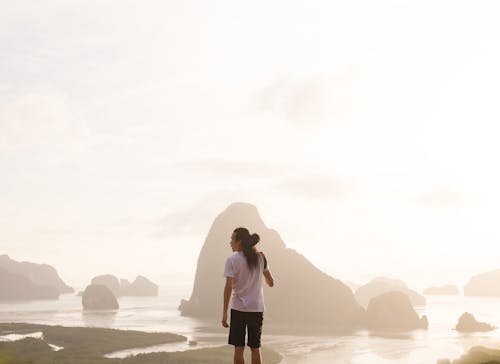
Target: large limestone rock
484 284
449 290
467 323
15 287
99 297
39 274
393 311
303 295
109 281
382 285
140 287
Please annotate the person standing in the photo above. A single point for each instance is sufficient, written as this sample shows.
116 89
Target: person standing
244 272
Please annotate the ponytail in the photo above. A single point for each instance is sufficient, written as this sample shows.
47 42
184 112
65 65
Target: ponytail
248 245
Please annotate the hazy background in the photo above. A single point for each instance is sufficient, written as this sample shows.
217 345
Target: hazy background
366 133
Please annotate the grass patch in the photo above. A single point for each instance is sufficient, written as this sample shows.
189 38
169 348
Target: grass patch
88 345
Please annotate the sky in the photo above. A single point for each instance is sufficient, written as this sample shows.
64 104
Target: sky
365 132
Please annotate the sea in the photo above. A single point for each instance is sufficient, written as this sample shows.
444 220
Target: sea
160 314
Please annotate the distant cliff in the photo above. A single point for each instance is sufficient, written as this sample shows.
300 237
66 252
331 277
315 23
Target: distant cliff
15 287
303 295
442 290
484 284
39 274
383 285
141 286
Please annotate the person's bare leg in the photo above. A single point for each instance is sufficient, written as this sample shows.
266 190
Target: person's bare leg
238 355
256 359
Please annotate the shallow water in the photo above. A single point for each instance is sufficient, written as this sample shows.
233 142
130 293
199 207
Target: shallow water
35 335
161 314
15 337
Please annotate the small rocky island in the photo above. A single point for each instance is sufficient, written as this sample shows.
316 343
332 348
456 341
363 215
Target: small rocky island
468 323
99 297
393 311
382 285
141 286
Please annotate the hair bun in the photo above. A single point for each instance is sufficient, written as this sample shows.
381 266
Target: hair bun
255 238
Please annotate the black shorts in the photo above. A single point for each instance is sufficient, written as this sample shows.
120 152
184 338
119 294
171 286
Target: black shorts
243 321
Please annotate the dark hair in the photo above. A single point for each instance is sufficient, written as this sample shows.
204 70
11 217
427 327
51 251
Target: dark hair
248 245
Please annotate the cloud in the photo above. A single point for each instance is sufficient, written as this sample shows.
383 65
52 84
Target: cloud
235 168
86 229
316 187
310 101
442 198
195 219
41 120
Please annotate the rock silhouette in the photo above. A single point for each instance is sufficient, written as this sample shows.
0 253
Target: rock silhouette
484 284
15 287
382 285
303 295
122 287
467 323
393 311
109 281
39 274
442 290
124 284
99 297
141 286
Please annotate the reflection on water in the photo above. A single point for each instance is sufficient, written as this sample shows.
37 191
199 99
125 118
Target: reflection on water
393 335
379 343
311 349
34 335
16 337
400 352
202 341
55 347
97 318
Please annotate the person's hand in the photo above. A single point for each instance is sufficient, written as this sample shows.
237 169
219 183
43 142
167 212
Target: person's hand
224 320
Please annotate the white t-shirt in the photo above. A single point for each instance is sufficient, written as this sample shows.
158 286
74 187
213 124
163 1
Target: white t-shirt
248 295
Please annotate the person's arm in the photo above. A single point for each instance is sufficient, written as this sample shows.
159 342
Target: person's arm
269 278
228 287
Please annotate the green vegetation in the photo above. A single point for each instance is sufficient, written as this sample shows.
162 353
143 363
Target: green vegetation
88 345
91 340
219 355
477 355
